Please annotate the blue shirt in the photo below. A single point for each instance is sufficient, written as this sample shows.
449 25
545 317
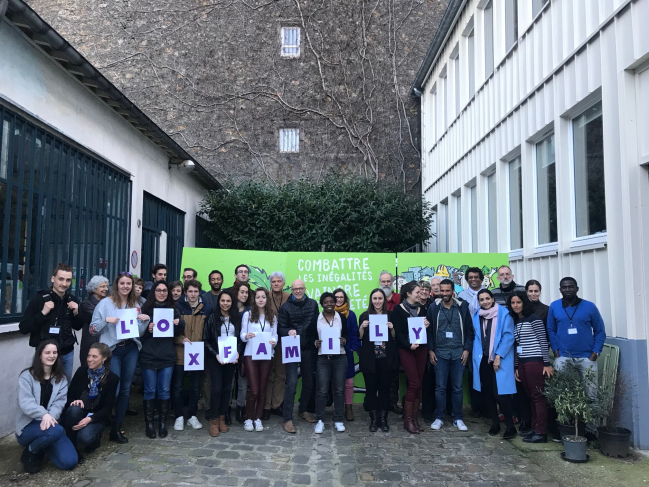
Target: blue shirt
576 331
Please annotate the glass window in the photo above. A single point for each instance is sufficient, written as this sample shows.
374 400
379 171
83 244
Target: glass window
458 216
446 227
445 108
537 5
511 23
473 192
492 205
546 191
289 140
488 39
590 198
515 205
457 85
290 37
471 61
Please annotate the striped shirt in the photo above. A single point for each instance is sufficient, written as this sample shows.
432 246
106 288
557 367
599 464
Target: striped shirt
531 341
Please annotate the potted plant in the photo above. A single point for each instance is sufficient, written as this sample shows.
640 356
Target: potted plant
614 441
566 392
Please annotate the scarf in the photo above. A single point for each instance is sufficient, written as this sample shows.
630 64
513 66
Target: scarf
413 309
473 299
490 314
95 377
343 310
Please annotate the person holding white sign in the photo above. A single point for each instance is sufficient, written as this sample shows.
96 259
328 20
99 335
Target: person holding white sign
413 355
105 320
377 359
158 356
260 319
225 321
331 367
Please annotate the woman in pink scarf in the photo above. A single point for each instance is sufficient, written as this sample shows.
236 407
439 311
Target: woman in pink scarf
493 356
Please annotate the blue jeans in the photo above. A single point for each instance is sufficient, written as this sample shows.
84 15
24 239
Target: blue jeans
157 380
330 369
123 364
68 361
51 441
443 368
85 436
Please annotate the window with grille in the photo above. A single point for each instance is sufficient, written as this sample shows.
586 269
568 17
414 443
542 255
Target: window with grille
289 140
57 204
290 37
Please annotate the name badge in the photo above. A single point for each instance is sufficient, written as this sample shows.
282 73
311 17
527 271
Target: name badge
449 334
519 350
572 331
55 330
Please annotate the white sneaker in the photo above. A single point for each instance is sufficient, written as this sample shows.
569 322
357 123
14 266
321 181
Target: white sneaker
247 425
194 423
319 427
179 424
437 424
339 427
258 425
459 424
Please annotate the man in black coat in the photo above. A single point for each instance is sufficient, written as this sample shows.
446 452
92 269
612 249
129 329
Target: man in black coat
299 316
54 314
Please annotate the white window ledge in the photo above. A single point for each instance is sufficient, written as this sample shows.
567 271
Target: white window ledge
583 247
547 250
515 255
598 238
8 328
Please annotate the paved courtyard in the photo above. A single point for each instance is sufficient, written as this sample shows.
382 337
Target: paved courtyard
356 457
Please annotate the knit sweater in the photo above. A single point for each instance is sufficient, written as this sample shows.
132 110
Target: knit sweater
503 293
107 331
531 342
576 331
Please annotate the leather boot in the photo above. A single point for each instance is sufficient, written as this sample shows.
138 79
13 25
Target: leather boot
163 412
228 419
373 425
224 427
116 434
349 412
415 414
383 417
408 424
214 427
149 413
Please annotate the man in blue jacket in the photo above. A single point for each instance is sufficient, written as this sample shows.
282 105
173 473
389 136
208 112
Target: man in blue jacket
576 330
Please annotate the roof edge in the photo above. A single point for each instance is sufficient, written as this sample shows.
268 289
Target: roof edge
446 24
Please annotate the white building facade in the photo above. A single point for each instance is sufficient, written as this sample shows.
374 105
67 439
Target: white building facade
535 142
85 179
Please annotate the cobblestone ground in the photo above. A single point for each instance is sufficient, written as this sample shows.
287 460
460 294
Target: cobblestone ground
273 458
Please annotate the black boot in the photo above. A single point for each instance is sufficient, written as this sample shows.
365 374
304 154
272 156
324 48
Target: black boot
163 411
149 415
495 429
241 414
116 434
373 418
31 461
228 419
383 417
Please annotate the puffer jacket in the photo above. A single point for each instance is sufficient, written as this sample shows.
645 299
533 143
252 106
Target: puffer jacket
194 324
301 316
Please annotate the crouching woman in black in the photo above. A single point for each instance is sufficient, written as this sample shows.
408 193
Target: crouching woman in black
91 396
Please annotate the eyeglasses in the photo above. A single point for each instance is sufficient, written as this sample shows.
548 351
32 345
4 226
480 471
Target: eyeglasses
125 274
161 291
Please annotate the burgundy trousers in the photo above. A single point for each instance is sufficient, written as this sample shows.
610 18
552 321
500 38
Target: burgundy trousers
414 364
531 376
257 372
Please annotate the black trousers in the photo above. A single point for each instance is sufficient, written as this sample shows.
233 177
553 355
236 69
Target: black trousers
377 386
490 396
221 392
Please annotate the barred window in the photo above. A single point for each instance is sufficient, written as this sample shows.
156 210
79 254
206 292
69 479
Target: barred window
290 37
289 140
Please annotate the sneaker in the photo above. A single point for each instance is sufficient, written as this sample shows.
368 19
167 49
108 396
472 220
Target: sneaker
459 424
247 425
179 424
258 425
319 427
437 424
194 423
340 427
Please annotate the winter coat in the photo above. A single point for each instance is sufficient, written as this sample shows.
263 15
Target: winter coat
102 406
366 354
194 325
160 353
301 316
353 343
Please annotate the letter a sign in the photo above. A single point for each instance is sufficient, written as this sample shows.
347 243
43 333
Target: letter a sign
261 348
194 356
291 349
164 322
127 327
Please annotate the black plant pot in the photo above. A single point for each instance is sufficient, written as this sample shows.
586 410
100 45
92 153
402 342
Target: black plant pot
614 442
569 430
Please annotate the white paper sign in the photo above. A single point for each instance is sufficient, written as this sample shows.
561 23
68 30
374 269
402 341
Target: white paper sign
127 326
227 349
417 330
291 349
261 348
330 336
164 322
378 328
194 356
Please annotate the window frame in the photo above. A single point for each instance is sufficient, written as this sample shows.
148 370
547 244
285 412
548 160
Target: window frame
297 46
489 173
473 205
279 140
509 161
489 46
542 248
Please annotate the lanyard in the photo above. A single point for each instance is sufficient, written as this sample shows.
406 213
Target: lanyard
573 313
226 323
332 320
277 306
263 326
449 320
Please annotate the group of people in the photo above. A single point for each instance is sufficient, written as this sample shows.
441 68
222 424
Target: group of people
500 335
